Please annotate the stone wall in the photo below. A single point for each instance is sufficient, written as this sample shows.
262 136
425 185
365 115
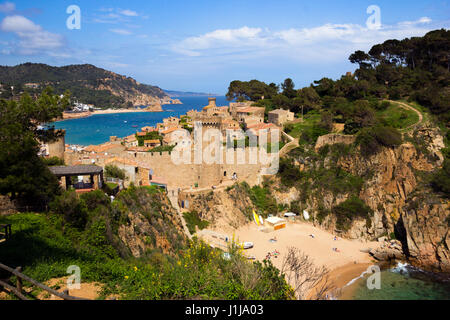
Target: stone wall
178 175
334 138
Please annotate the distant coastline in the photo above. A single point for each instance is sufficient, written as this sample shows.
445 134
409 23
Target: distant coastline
182 94
79 115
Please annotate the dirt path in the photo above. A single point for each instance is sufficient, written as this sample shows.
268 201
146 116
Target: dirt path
407 106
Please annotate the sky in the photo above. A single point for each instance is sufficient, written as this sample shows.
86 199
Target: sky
203 45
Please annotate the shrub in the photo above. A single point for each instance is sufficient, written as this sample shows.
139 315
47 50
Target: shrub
383 105
441 179
71 208
193 219
114 172
372 139
350 209
95 199
263 200
54 161
288 172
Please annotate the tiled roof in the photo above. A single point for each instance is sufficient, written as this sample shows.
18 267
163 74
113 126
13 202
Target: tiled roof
279 111
170 130
249 109
101 148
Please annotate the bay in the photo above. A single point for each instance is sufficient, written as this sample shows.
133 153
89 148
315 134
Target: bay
97 129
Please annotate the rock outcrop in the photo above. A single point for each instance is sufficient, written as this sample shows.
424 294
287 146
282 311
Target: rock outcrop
224 210
388 251
426 221
148 228
403 206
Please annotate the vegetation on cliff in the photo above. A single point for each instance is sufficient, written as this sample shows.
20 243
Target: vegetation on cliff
87 83
46 244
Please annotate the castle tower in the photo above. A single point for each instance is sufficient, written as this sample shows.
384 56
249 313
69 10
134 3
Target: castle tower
211 102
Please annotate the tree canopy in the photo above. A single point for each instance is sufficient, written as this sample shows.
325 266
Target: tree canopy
23 174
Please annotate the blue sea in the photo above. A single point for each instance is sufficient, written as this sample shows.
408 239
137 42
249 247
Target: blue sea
402 282
97 129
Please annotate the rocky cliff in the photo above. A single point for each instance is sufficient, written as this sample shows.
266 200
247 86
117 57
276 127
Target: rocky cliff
150 222
225 210
395 187
406 214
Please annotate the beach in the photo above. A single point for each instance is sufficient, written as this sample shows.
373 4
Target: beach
344 266
79 115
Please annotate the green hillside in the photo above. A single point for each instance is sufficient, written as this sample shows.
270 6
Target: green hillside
87 83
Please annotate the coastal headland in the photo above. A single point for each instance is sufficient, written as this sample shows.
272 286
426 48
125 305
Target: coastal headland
79 115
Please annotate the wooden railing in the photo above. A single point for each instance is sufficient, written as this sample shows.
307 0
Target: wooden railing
17 290
5 232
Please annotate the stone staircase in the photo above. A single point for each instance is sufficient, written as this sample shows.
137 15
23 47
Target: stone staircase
173 197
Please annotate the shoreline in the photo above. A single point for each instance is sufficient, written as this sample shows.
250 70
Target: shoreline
80 115
342 276
343 266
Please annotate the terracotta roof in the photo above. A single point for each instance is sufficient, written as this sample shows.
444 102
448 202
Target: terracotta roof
152 141
250 109
278 111
101 148
170 130
261 126
158 180
138 149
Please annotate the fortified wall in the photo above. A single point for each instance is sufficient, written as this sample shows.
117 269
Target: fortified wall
141 166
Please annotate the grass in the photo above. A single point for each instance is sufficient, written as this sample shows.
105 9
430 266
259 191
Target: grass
418 107
40 247
310 119
398 117
162 149
45 245
112 185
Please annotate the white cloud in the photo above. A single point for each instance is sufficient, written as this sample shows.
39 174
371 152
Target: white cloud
328 42
121 32
128 13
219 38
115 15
32 37
7 7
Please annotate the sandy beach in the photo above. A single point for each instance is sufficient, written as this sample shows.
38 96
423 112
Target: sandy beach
344 265
79 115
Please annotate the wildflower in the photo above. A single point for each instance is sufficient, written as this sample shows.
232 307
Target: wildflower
126 277
135 269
